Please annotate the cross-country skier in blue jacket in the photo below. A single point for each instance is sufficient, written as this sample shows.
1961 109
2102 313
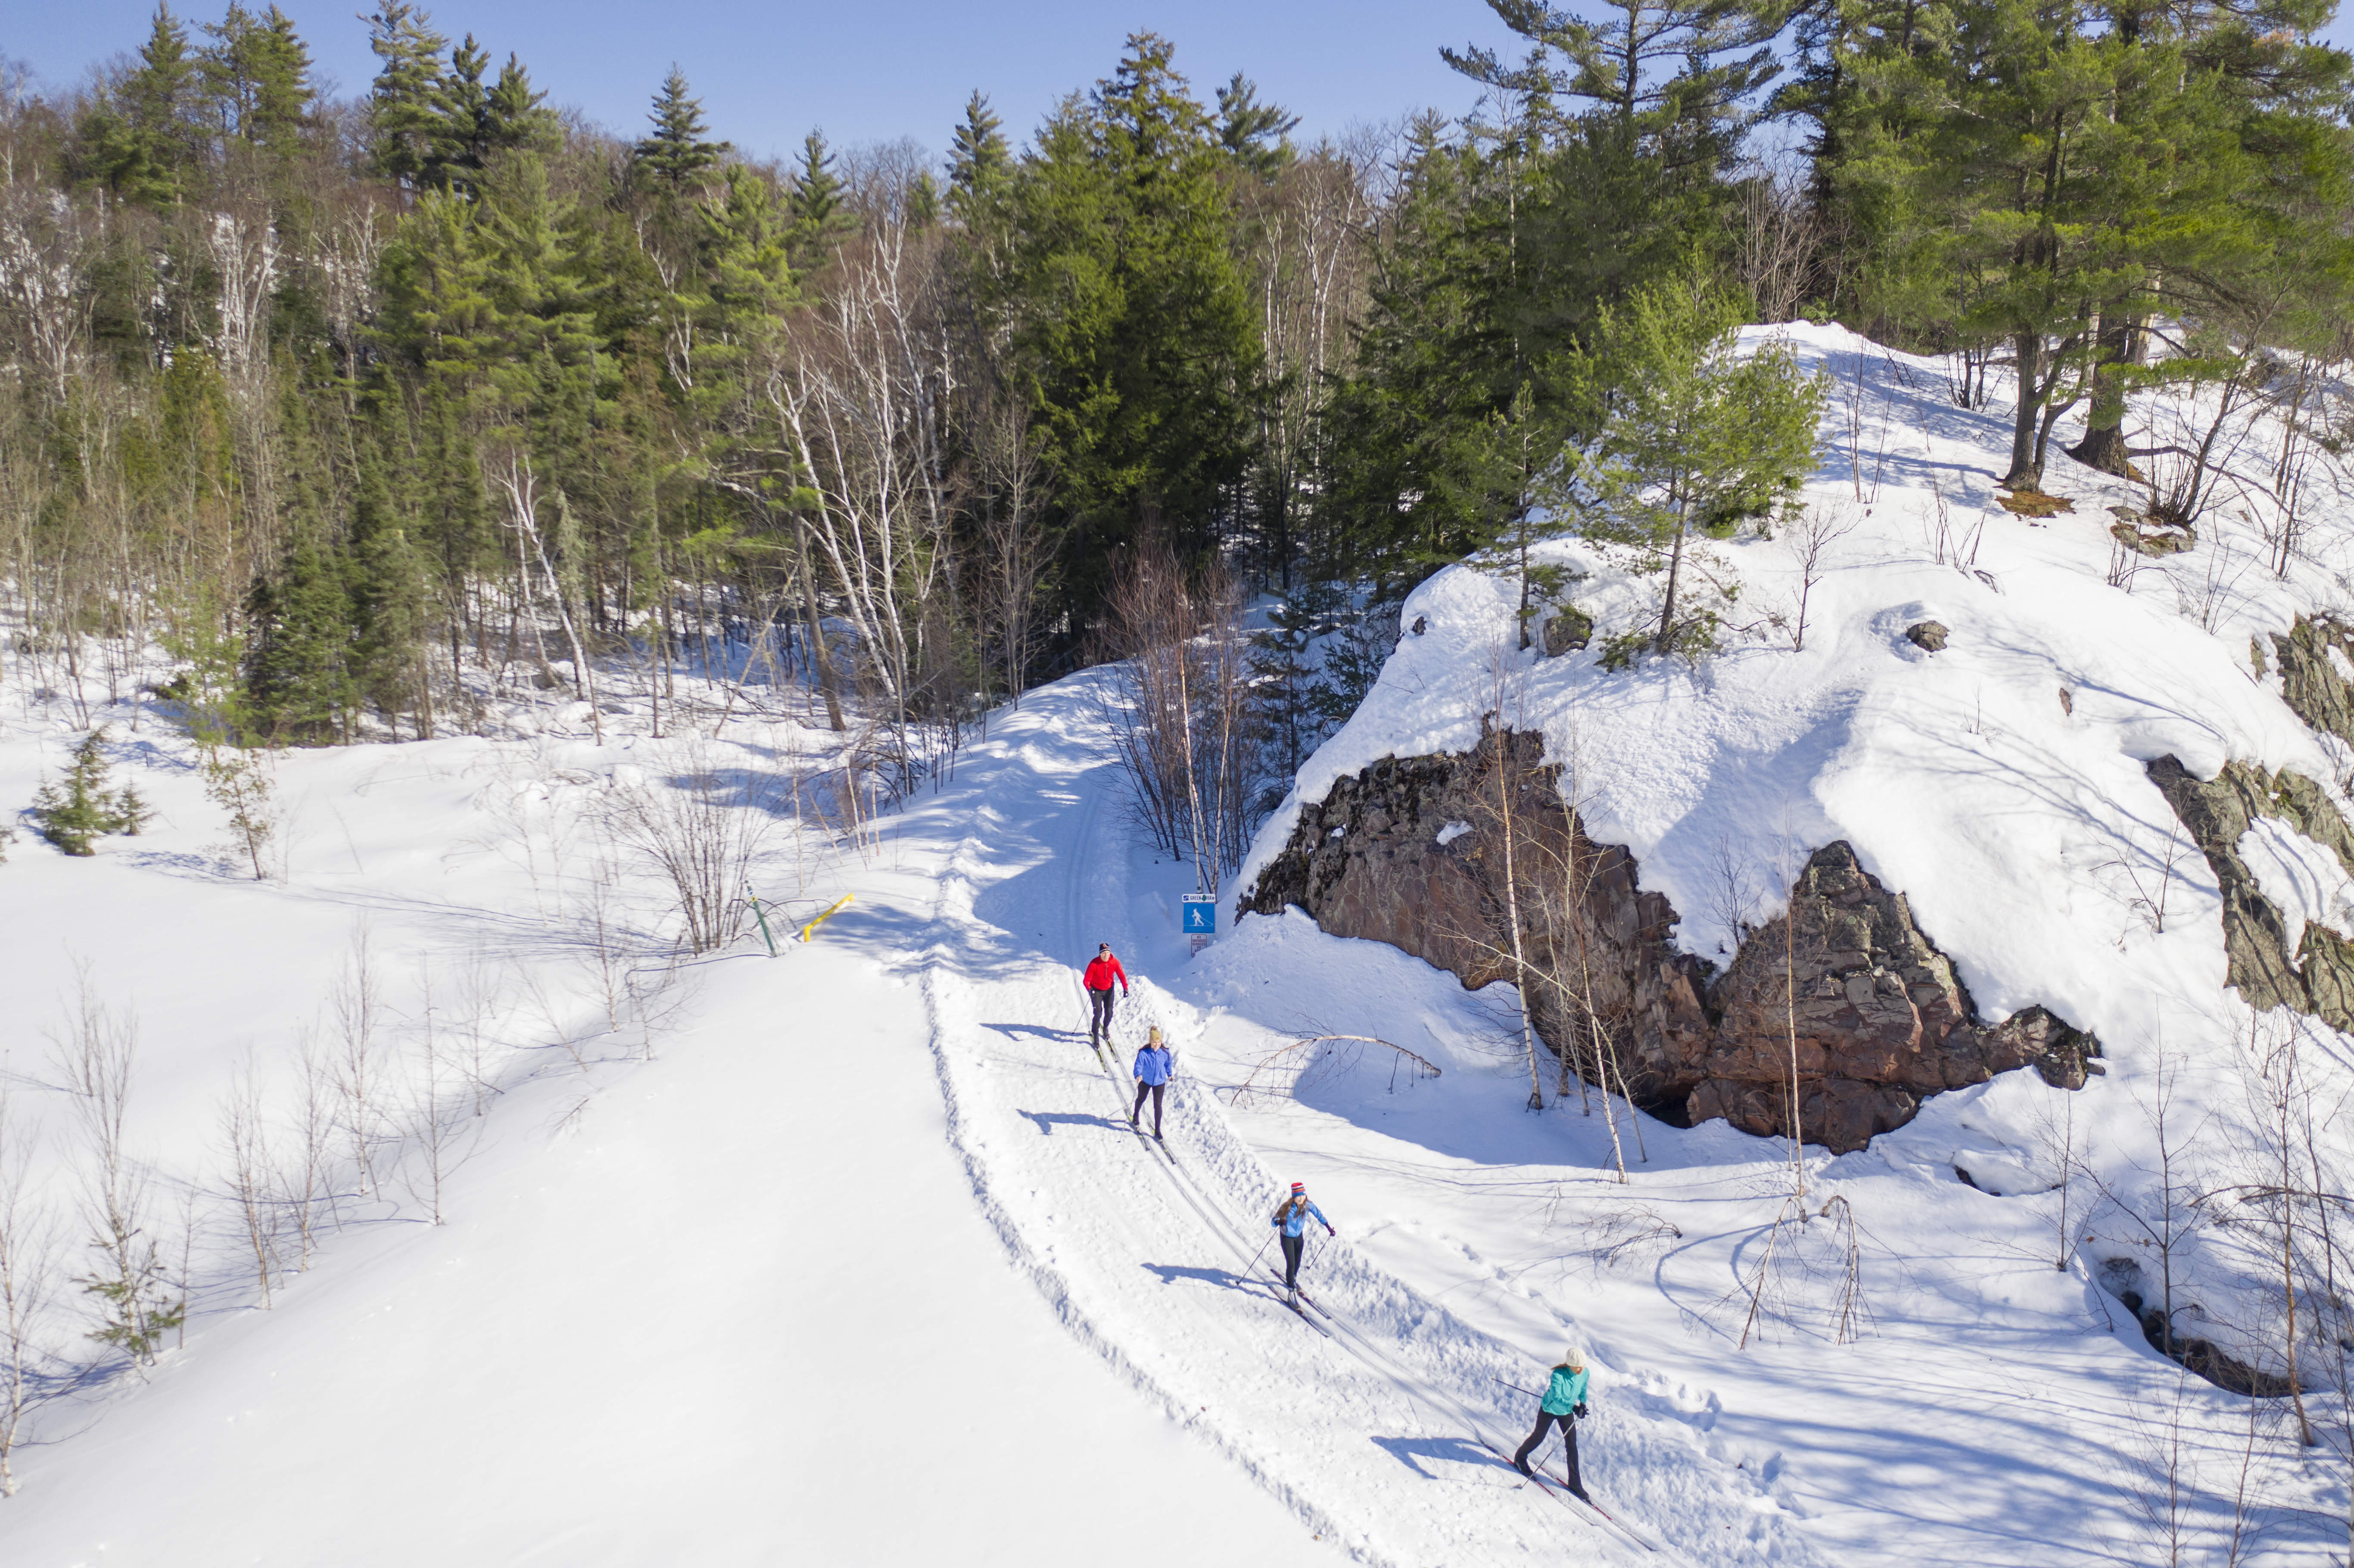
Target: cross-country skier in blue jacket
1563 1402
1291 1219
1154 1067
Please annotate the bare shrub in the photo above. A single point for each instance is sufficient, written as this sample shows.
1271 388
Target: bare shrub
1628 1233
702 829
1813 535
1317 1057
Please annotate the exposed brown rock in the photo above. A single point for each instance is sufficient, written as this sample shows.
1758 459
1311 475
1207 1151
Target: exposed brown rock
1881 1020
1929 636
1872 1011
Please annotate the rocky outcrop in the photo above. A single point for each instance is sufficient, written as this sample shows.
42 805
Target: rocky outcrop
2317 979
2310 682
1412 851
1872 1012
1929 636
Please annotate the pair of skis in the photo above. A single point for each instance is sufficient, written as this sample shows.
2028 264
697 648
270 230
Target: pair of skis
1557 1488
1292 1299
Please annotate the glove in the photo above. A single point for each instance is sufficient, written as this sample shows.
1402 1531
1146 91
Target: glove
1580 1411
1330 1231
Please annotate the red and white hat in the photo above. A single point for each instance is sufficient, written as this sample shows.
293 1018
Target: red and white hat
1299 1186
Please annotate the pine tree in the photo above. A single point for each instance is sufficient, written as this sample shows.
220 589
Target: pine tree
257 80
2084 170
404 111
391 597
141 146
1693 440
478 124
1256 135
1130 319
675 159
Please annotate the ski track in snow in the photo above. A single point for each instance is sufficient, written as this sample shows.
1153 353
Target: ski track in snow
1378 1439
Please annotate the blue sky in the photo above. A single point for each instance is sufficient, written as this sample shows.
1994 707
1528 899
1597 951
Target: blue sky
866 72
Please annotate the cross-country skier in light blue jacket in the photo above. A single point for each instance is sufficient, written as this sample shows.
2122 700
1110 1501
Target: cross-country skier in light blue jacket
1292 1219
1563 1402
1154 1067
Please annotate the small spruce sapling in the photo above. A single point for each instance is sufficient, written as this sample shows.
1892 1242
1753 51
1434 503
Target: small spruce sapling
80 810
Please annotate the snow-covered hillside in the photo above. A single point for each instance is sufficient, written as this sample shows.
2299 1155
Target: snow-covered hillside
850 1254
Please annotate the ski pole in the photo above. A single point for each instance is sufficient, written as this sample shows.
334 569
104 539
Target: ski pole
1252 1268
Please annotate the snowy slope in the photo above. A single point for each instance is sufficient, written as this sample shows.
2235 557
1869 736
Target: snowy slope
731 1304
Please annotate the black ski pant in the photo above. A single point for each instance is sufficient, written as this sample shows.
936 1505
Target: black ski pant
1156 1091
1292 1247
1546 1420
1100 1023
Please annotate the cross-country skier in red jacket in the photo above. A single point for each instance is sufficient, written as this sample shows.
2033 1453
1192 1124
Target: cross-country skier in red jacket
1100 979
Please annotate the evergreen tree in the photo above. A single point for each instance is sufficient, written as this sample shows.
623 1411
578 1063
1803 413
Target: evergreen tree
821 219
256 80
478 123
2083 169
1656 70
403 109
297 679
82 809
391 597
1386 510
675 159
139 142
979 159
1691 440
746 275
1130 318
1256 135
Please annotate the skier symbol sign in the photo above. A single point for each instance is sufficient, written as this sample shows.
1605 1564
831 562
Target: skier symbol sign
1201 911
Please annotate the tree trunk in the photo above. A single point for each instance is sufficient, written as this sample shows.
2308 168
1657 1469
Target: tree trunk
819 653
2024 474
2104 446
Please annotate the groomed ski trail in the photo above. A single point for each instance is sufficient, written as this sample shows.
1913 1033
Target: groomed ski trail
1380 1438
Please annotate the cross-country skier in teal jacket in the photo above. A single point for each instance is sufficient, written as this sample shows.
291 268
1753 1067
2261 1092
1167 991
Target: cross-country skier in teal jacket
1292 1219
1563 1403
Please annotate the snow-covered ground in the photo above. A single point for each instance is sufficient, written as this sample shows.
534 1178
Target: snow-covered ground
849 1255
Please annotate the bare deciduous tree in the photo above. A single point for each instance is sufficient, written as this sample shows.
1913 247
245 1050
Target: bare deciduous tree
252 1177
1180 706
93 1060
33 1371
